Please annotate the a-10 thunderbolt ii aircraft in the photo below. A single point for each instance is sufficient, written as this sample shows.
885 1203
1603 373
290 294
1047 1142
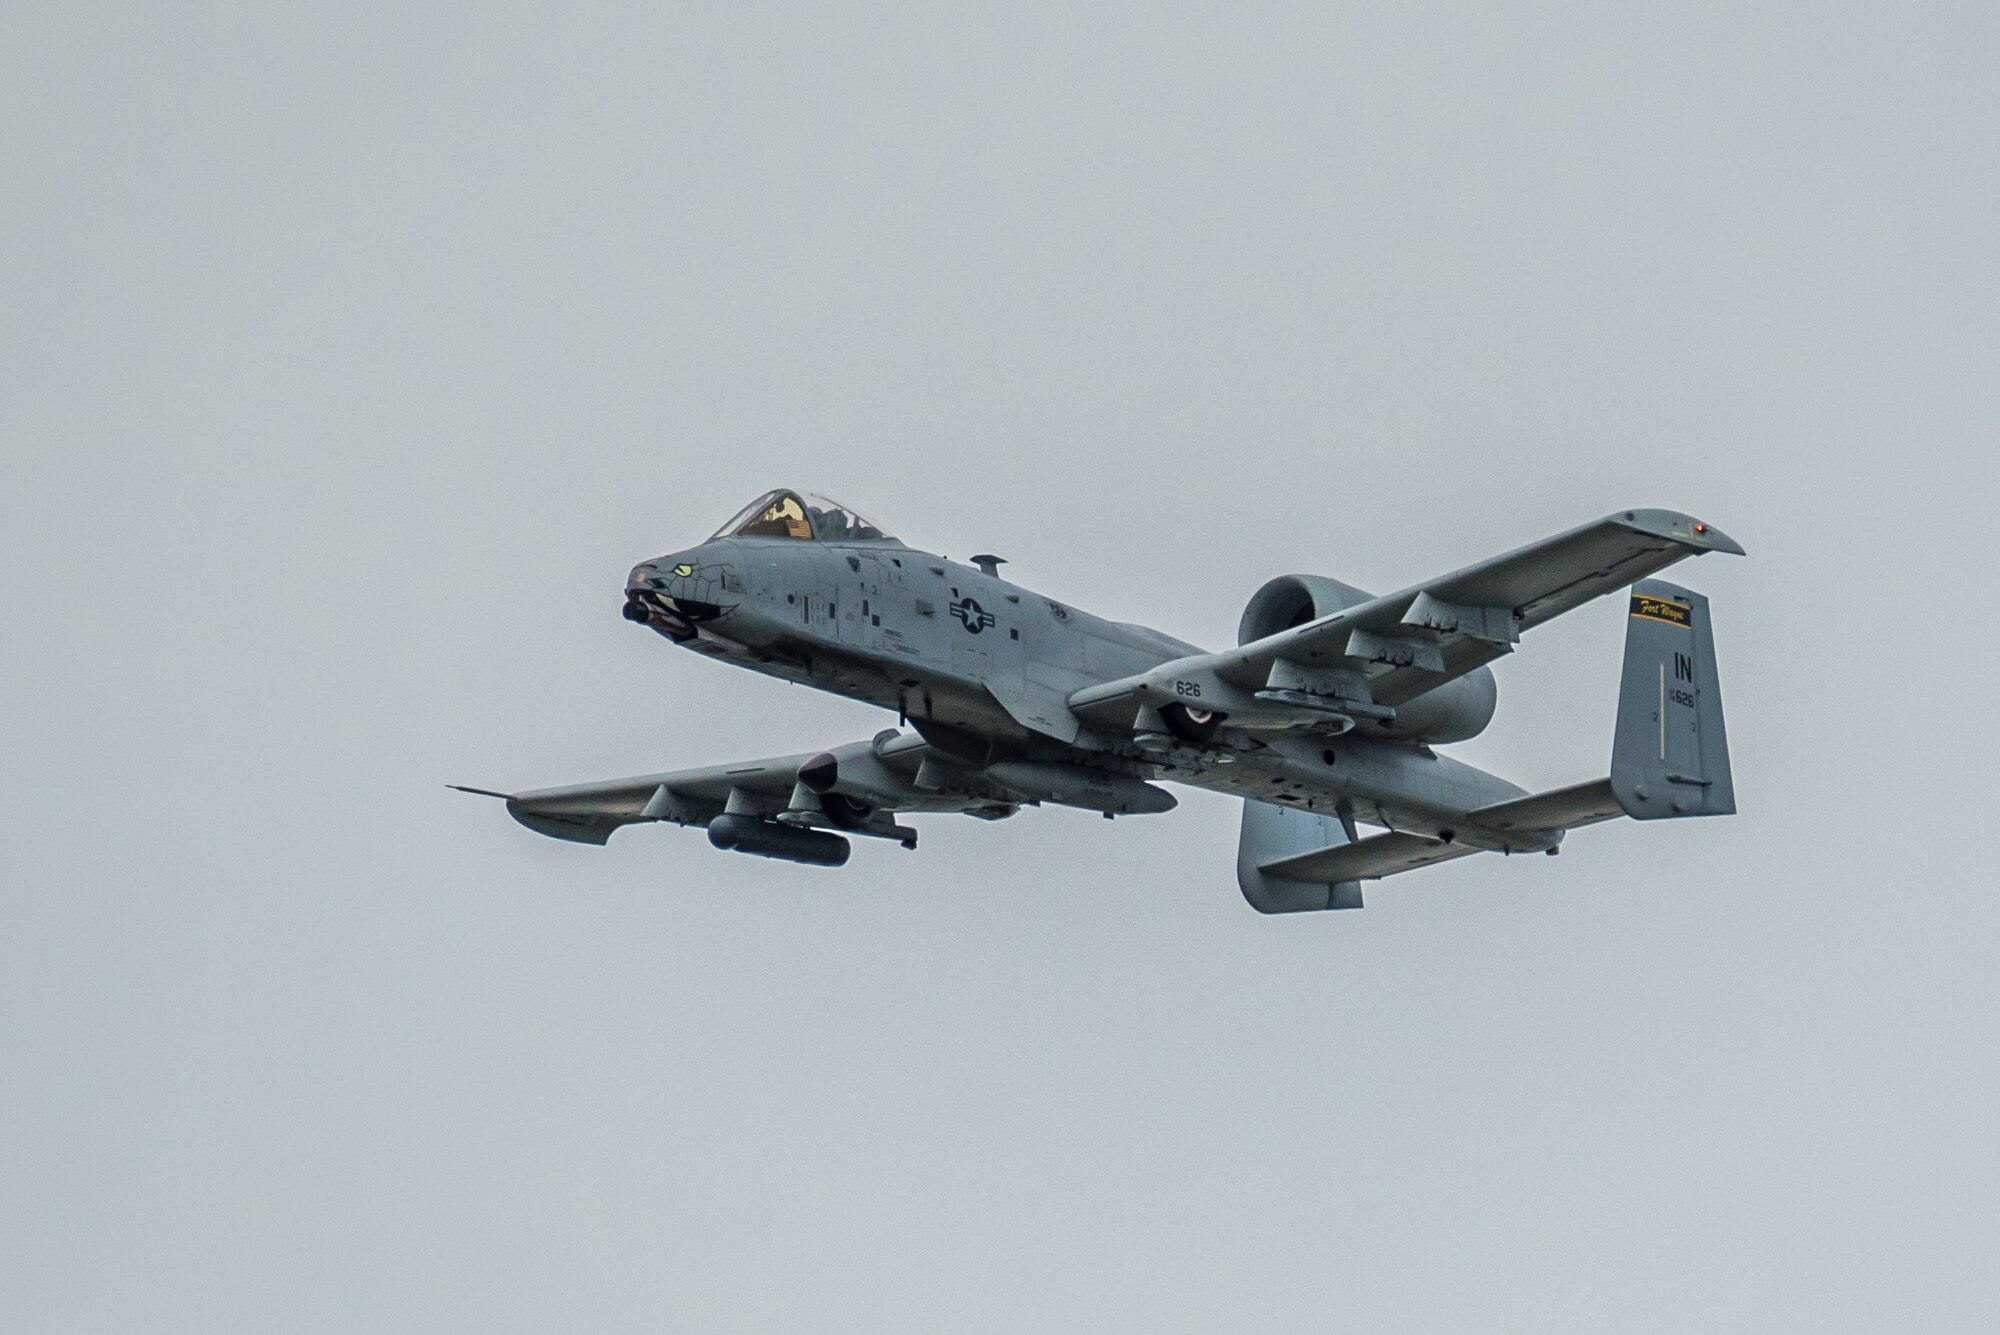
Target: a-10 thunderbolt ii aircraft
1321 719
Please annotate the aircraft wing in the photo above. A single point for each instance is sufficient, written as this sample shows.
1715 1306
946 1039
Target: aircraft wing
1409 642
852 789
590 813
1535 823
1379 654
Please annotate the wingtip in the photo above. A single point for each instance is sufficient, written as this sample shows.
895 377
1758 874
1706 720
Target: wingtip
480 792
1685 529
1722 542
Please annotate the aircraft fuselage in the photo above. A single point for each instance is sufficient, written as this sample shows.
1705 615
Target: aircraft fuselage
985 670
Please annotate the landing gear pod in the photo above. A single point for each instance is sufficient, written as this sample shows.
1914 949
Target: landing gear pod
768 839
1191 725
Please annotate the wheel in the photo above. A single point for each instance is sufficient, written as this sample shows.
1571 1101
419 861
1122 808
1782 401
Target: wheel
844 811
1191 725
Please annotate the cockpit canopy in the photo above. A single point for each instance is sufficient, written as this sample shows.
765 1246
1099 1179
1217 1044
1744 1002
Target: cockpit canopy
800 514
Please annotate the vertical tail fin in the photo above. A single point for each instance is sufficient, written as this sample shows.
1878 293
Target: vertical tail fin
1670 756
1272 834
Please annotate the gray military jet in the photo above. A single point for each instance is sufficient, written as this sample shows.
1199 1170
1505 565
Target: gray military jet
1322 717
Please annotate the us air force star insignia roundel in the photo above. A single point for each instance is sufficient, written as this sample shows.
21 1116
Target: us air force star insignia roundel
971 615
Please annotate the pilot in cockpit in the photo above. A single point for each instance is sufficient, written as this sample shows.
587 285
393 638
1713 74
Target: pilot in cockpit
788 514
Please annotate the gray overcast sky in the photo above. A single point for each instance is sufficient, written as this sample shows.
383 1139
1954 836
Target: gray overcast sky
354 354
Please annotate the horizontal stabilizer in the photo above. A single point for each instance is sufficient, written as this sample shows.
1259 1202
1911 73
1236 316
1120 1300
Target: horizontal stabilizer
1370 859
1563 809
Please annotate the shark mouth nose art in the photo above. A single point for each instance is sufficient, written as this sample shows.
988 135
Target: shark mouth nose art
656 595
675 618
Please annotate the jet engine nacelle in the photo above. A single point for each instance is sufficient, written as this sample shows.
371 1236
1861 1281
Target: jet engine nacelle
1458 709
1293 600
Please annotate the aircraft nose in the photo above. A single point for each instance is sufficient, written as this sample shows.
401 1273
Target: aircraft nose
647 579
658 574
666 594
